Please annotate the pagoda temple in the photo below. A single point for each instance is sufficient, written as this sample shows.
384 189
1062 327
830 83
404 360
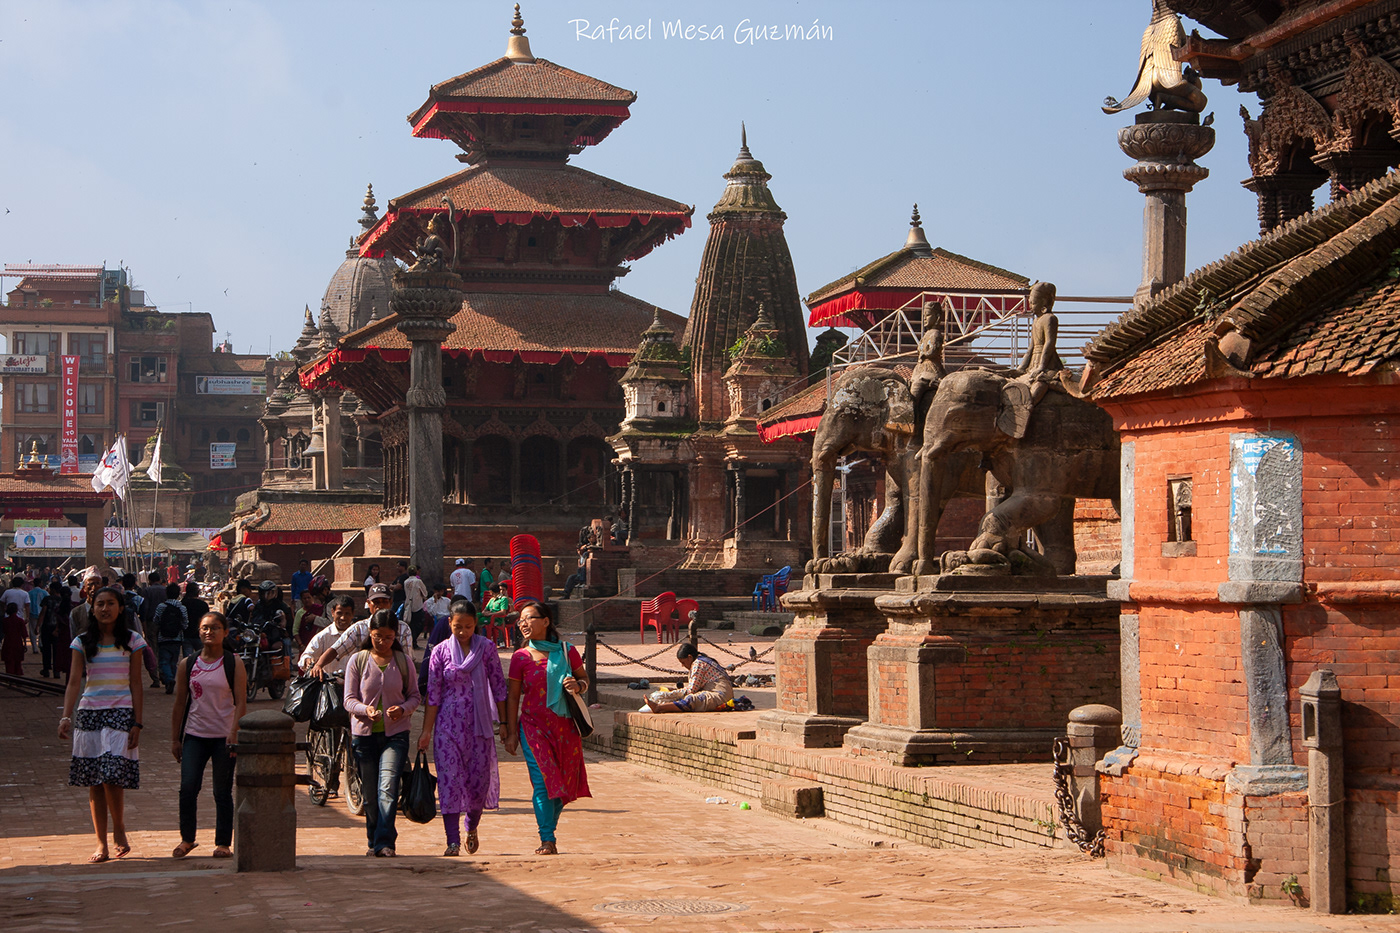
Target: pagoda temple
531 370
698 478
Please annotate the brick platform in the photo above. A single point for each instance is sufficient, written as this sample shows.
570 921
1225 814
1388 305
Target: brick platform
970 806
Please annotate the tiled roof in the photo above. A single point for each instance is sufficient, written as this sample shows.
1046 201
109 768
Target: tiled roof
611 322
58 486
905 269
546 189
307 516
224 363
504 79
1314 296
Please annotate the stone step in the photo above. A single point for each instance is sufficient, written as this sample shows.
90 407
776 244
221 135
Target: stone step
743 618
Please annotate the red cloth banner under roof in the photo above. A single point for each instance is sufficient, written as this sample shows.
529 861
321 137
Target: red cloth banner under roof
771 432
832 311
293 537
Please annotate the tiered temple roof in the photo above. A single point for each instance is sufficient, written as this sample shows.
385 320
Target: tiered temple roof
897 278
1316 296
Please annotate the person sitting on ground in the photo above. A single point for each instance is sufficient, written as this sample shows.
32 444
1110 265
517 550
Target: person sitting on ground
707 689
579 577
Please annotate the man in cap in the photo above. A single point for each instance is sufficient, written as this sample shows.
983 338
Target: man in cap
463 578
357 636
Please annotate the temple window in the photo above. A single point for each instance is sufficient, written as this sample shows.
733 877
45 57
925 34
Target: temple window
149 369
222 436
243 436
204 435
490 471
539 469
1179 542
661 406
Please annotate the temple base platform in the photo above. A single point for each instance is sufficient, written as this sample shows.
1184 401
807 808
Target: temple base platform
969 806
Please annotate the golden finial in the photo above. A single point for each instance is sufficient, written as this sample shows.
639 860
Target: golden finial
518 46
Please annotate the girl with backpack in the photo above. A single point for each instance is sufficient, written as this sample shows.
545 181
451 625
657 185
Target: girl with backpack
381 693
211 695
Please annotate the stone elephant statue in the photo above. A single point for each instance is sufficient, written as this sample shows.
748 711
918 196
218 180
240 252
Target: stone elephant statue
1069 450
872 411
257 571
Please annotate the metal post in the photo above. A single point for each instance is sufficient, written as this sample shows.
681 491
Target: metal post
590 658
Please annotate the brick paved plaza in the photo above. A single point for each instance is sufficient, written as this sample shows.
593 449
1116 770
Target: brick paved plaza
644 835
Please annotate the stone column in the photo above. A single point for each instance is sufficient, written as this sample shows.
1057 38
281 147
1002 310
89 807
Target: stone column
265 810
1166 144
1322 736
563 472
332 439
740 505
631 505
514 471
425 300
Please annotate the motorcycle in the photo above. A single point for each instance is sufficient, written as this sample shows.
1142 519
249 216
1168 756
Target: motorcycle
266 666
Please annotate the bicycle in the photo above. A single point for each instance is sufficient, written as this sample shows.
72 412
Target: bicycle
328 757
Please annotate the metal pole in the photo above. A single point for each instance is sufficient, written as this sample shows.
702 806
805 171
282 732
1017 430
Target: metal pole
590 658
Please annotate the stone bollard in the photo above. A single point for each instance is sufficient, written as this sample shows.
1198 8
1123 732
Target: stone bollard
265 813
1322 737
1093 732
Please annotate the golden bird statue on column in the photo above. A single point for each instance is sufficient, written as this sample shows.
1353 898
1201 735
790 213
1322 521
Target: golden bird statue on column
1160 79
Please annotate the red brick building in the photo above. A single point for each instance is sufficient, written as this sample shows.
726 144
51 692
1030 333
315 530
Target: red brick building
1258 402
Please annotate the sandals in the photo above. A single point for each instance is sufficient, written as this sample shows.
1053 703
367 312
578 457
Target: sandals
453 848
98 856
547 848
184 849
385 852
473 843
223 852
123 849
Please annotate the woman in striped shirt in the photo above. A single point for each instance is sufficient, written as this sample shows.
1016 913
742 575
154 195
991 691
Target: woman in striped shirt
106 670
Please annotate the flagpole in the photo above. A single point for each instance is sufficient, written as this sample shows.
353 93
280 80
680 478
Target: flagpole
155 460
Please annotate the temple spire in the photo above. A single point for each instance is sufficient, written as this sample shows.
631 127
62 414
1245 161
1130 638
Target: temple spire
916 241
517 46
744 142
370 217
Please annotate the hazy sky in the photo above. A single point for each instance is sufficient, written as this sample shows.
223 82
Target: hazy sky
221 150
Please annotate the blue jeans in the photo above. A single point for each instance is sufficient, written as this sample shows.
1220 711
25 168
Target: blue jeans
381 759
170 653
547 808
196 754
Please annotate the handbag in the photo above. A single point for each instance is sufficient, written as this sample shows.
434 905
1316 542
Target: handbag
578 712
280 668
418 793
302 695
330 709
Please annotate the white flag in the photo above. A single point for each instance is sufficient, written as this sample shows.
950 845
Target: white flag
114 470
153 471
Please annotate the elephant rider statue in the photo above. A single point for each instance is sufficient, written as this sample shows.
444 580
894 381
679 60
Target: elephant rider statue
1040 368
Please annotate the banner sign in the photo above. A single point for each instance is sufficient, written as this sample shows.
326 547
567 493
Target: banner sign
230 385
222 456
68 445
114 539
24 364
32 513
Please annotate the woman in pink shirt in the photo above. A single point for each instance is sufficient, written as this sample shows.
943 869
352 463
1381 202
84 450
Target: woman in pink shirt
381 693
211 695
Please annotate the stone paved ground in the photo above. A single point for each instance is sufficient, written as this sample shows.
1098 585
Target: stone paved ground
644 835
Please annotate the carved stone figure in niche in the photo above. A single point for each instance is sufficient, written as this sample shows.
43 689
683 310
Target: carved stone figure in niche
1161 81
1040 368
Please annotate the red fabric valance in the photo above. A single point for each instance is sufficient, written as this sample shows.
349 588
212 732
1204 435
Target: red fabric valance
805 425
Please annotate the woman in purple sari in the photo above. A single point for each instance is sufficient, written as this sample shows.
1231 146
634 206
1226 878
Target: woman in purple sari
466 694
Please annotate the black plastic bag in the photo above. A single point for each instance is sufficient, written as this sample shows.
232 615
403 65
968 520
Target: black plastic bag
419 792
330 708
302 695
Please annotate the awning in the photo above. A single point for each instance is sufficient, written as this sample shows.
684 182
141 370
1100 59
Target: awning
171 541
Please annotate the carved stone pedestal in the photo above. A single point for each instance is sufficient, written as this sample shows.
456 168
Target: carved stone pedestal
985 670
820 660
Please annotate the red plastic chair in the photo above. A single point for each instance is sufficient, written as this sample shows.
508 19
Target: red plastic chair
497 628
659 613
684 607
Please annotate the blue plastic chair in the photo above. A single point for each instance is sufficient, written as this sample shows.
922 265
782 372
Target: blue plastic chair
773 585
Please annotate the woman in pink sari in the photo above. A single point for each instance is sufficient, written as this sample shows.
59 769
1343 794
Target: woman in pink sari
466 695
538 720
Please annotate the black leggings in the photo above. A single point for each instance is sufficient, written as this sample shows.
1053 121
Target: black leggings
196 753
